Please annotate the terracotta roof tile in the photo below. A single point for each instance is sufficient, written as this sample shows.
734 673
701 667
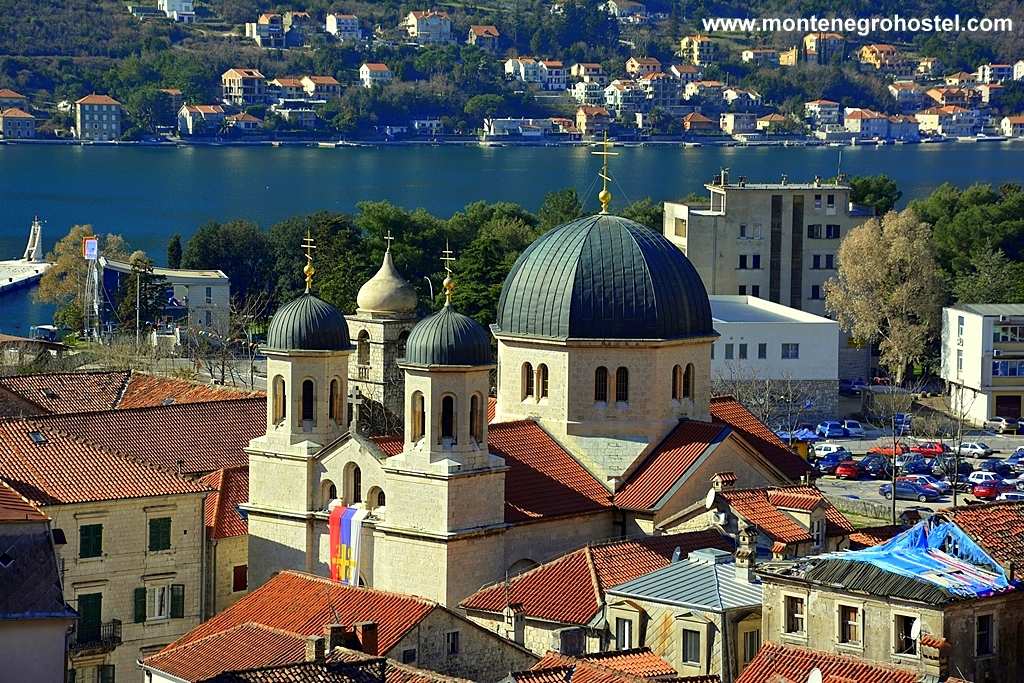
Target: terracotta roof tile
304 604
484 31
932 640
492 406
231 489
151 390
69 392
15 507
795 663
244 646
15 113
761 507
555 674
867 537
997 527
564 589
636 662
731 412
8 94
668 463
342 665
395 672
98 99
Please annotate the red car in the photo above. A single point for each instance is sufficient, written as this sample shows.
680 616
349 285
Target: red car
930 449
990 491
887 451
848 469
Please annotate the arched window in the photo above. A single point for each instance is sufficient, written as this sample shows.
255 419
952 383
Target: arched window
381 499
418 416
677 383
476 422
375 498
357 484
402 341
328 492
688 381
334 401
280 400
542 380
601 385
622 385
448 418
363 348
308 403
527 380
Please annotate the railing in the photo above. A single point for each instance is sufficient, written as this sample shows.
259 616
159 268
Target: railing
105 635
364 372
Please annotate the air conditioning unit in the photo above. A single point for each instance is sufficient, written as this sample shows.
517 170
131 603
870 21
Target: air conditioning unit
996 353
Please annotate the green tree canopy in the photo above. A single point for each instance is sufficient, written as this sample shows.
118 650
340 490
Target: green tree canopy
878 191
240 249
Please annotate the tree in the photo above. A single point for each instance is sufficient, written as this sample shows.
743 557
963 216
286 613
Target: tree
889 289
239 248
877 191
480 107
993 279
174 251
646 213
559 206
781 401
141 295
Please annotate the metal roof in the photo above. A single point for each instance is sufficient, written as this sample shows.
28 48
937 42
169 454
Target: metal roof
448 338
991 309
308 324
603 277
705 580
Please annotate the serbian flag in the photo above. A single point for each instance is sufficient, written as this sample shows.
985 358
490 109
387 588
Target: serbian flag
345 525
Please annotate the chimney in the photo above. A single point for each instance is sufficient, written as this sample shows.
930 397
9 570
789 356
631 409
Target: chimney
746 552
722 481
366 635
315 649
335 636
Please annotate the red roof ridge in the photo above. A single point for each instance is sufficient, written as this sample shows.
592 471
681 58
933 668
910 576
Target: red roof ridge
765 666
366 589
595 580
173 647
14 507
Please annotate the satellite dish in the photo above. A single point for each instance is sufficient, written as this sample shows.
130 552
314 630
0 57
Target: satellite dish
915 629
814 676
709 500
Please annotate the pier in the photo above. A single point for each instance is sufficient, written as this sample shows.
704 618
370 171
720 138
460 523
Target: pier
27 270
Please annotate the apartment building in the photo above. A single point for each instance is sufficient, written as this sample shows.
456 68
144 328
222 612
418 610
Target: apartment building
823 112
995 73
638 66
737 123
780 238
97 117
10 98
428 27
761 56
343 26
267 31
485 36
823 48
699 50
243 87
371 74
16 124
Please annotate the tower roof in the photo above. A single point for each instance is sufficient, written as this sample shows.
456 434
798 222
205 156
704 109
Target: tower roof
604 277
308 324
448 338
387 292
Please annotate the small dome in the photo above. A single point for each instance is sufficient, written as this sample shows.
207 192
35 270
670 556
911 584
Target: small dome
448 338
387 292
308 324
604 277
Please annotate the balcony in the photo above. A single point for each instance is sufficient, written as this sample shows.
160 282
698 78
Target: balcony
363 372
101 637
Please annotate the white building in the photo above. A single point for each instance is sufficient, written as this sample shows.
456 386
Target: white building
1018 70
994 73
179 10
737 122
519 126
344 26
97 117
1012 126
200 119
983 360
590 92
823 112
428 28
371 74
522 69
552 74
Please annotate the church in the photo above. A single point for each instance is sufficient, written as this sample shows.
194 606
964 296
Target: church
600 423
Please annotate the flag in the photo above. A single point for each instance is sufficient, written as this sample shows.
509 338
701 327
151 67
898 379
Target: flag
344 526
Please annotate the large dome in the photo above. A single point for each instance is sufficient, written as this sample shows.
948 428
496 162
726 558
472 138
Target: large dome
308 324
604 277
387 292
448 338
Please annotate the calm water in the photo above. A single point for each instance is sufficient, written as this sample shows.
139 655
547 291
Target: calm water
146 194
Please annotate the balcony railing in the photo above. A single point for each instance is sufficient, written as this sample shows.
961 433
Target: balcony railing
102 636
364 372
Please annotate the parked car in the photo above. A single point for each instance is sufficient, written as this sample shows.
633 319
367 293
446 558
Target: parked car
948 465
854 429
823 449
943 487
846 387
826 464
906 490
849 469
1001 425
930 449
990 490
889 450
1016 460
877 466
913 463
1011 495
831 429
975 449
982 477
999 467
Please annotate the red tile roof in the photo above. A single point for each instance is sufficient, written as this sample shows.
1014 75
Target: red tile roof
231 489
332 669
728 410
245 646
636 662
668 463
492 406
15 507
775 663
15 113
395 672
761 507
98 99
997 527
569 589
62 469
150 390
8 94
867 537
304 604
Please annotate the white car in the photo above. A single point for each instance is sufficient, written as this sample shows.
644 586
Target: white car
1011 495
982 477
823 449
854 429
975 449
1001 425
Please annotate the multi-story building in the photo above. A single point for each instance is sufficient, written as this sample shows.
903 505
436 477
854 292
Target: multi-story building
10 98
286 88
696 123
929 66
660 89
995 73
990 93
485 37
709 90
698 49
429 27
16 124
590 92
737 123
267 31
321 87
374 73
243 87
823 48
1012 126
956 96
823 112
343 26
297 28
179 10
780 237
552 74
983 360
592 120
1018 70
97 117
624 98
949 120
908 95
790 57
200 119
638 66
626 10
881 56
685 73
905 128
761 56
773 123
866 123
522 69
741 97
588 71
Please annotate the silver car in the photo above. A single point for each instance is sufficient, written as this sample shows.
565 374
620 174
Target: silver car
975 449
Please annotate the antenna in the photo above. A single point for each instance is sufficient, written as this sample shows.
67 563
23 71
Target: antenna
815 676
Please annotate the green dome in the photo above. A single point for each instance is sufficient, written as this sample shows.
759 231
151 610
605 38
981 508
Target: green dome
448 338
308 324
604 277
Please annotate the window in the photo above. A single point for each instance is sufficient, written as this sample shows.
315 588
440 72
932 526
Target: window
527 380
677 383
849 624
448 418
903 641
959 361
755 261
755 290
334 401
409 656
984 642
743 351
239 578
90 540
816 262
542 380
762 351
623 633
691 646
279 400
817 201
159 602
363 348
729 351
601 385
90 616
382 500
209 295
751 644
159 534
713 351
818 532
688 381
357 484
830 262
308 402
830 202
622 385
794 615
814 231
831 231
743 262
418 416
815 291
742 290
790 351
743 231
451 643
960 326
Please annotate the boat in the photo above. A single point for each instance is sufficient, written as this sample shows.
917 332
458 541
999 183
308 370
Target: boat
984 137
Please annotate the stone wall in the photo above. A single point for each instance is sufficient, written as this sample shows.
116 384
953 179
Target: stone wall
225 555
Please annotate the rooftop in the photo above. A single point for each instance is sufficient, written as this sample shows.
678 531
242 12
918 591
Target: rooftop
991 309
732 308
790 664
15 507
767 509
220 510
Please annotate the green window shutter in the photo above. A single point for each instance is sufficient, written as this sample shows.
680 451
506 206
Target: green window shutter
160 533
106 673
90 540
140 605
177 601
72 673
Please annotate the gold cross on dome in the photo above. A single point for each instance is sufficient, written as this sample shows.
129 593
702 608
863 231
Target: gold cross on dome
309 246
447 257
604 195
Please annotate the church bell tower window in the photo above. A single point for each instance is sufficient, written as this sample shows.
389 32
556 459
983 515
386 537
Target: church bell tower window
334 401
280 400
418 416
448 419
601 385
308 404
622 385
476 425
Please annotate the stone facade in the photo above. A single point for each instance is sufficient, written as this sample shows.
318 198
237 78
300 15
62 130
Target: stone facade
373 368
225 555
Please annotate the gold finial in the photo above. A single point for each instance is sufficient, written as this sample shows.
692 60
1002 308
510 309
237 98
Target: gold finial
309 246
449 284
605 196
388 239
